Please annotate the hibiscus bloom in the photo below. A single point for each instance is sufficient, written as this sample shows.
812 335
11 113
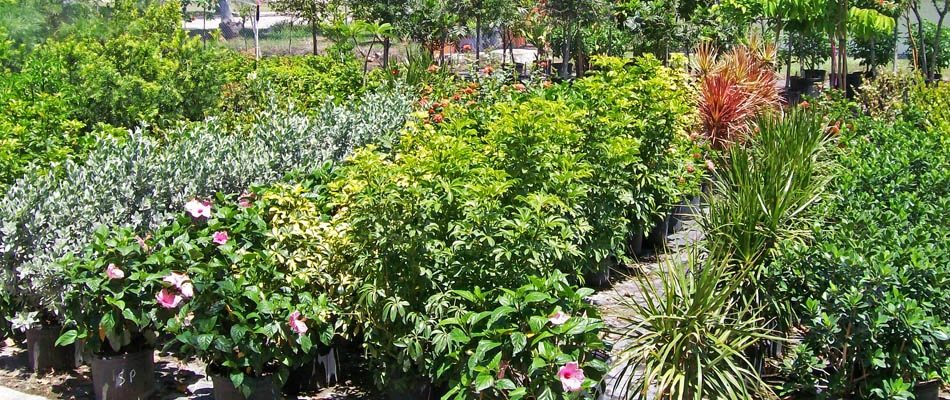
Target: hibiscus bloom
220 237
181 282
298 324
114 272
571 377
198 208
559 318
167 299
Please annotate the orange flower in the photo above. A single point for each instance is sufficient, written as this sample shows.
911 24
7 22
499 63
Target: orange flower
433 68
488 69
437 118
519 87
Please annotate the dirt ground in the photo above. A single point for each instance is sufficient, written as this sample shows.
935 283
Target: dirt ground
176 380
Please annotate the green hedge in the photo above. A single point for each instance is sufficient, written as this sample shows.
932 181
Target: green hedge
870 290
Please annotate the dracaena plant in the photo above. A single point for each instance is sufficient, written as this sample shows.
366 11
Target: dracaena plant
535 342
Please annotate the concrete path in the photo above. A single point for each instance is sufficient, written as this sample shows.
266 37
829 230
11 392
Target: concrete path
10 394
268 19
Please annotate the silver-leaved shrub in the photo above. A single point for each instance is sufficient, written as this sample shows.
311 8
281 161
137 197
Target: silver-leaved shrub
141 182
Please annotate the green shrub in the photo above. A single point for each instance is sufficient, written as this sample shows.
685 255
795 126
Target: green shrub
144 70
250 263
307 82
139 182
512 343
870 289
637 120
456 209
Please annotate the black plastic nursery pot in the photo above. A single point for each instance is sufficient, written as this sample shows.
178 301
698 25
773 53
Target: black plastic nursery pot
658 234
422 391
927 390
600 277
128 376
321 372
43 353
263 388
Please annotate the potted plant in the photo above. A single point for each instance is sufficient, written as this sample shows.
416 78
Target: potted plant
115 299
538 341
254 316
31 303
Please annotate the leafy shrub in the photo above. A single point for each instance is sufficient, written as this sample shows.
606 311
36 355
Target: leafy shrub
512 343
110 302
470 210
140 182
251 296
145 70
870 289
305 81
637 119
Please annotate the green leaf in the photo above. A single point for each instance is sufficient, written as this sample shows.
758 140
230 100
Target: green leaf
484 381
505 384
518 342
304 342
204 341
67 338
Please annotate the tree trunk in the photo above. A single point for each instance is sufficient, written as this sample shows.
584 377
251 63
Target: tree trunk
922 53
478 40
224 7
386 45
873 54
788 64
935 65
313 34
896 33
565 52
445 41
913 43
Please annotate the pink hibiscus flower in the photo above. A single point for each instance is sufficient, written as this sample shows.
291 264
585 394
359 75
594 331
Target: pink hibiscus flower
220 237
559 318
298 324
167 299
571 377
114 272
198 209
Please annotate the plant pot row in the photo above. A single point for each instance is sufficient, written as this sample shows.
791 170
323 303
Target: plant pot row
131 376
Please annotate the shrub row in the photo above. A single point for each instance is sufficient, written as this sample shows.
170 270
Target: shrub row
139 181
869 292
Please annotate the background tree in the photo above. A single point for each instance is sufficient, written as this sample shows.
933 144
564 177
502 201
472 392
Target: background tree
313 11
392 12
568 15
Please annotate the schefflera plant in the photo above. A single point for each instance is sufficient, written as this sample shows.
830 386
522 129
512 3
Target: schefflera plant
539 341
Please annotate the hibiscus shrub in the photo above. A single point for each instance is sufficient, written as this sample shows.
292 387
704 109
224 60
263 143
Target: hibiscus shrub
112 294
255 313
536 342
239 283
